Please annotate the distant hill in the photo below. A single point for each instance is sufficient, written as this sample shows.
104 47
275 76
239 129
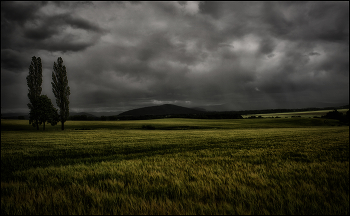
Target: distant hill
199 108
166 109
14 115
81 113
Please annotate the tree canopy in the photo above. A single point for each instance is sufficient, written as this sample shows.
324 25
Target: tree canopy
34 81
61 89
47 112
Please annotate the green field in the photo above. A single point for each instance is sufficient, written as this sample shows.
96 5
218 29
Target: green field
305 114
182 166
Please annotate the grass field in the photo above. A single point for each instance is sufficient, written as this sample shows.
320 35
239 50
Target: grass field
183 166
305 114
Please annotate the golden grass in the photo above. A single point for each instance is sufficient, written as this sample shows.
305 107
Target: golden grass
305 114
121 169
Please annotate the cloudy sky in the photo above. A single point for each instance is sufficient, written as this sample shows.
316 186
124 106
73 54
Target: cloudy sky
224 55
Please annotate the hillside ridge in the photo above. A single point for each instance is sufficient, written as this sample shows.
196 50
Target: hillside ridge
165 109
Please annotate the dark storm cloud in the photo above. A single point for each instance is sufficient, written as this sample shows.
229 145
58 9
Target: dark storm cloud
212 8
18 12
34 29
314 54
241 55
13 60
14 15
53 25
331 21
308 20
80 23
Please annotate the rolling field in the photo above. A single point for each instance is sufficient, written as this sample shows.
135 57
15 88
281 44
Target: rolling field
180 166
305 114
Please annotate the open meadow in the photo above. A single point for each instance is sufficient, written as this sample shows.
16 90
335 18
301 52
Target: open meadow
305 114
176 166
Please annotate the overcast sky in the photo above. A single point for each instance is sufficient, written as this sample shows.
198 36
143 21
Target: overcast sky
125 55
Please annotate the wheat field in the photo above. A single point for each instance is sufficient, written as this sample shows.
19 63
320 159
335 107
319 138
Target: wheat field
182 166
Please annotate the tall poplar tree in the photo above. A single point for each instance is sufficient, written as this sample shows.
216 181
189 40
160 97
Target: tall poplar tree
61 89
34 81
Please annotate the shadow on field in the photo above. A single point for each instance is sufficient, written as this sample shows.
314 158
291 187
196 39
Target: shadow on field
64 157
11 163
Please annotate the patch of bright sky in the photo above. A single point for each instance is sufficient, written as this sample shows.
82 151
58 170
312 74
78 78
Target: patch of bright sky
201 67
248 44
192 7
51 9
161 102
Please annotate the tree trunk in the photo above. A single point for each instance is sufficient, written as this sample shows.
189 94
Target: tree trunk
62 125
37 124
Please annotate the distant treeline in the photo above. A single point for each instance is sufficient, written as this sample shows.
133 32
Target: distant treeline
207 115
247 112
84 118
344 118
223 115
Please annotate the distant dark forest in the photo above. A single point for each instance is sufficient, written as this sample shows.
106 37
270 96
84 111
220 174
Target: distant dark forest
207 115
201 115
